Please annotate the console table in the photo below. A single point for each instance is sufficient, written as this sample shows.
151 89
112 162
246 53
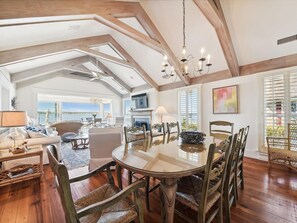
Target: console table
37 169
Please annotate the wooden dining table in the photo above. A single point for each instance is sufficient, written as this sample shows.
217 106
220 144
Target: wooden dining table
167 159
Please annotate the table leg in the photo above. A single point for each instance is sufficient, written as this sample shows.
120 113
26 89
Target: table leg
168 188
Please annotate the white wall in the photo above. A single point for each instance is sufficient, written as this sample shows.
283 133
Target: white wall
7 90
248 87
153 100
27 96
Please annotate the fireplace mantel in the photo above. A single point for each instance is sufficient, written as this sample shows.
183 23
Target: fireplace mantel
142 112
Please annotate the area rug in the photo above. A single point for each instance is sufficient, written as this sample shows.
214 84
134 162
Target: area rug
74 158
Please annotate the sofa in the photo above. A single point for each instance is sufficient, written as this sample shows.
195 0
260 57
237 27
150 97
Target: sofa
32 138
64 127
102 141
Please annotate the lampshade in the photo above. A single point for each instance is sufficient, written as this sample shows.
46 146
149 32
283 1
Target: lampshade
108 115
161 111
13 118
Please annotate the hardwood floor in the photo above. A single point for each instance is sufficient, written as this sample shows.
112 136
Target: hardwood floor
268 196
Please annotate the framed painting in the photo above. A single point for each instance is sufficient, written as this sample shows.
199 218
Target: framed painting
225 100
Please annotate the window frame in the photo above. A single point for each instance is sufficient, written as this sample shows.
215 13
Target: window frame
187 90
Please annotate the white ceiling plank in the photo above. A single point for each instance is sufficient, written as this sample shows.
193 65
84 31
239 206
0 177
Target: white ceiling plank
43 70
101 66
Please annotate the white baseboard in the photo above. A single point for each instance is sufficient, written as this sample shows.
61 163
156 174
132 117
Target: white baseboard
256 155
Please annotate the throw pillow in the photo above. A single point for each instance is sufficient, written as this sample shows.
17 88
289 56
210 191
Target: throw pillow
36 134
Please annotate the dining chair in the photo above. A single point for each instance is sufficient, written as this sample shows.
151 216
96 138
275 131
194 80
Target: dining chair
173 127
157 129
220 129
133 134
204 194
239 163
119 122
229 196
107 203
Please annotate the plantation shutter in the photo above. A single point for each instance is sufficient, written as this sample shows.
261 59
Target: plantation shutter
182 109
293 97
193 109
188 109
274 105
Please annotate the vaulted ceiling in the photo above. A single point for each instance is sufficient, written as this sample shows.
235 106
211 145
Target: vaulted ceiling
121 43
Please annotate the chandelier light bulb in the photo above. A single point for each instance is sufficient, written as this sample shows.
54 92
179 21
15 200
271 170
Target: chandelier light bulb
184 51
200 65
202 52
172 69
186 69
165 57
208 59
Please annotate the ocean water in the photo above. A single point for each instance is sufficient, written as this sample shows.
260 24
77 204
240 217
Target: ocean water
66 116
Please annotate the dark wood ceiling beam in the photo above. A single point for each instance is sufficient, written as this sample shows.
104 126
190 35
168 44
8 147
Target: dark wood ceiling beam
102 67
212 10
43 70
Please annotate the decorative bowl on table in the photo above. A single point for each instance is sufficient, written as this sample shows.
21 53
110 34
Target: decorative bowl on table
192 137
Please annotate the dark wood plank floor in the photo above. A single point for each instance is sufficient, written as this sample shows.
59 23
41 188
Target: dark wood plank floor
269 196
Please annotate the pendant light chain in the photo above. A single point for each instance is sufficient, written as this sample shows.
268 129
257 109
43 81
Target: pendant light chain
198 66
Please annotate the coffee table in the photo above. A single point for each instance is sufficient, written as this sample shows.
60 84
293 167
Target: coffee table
79 141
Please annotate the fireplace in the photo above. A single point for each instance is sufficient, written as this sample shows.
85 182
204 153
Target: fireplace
138 122
141 117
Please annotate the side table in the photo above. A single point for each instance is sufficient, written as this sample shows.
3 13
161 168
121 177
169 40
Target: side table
79 141
37 169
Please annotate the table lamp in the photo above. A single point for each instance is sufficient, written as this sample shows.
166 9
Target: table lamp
161 111
108 117
13 119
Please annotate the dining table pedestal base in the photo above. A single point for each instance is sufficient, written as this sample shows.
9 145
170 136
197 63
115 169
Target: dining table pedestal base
168 187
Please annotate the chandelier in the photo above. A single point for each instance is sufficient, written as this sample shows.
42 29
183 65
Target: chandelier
200 66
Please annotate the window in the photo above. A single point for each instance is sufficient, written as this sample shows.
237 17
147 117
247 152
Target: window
280 100
53 108
126 111
188 108
72 111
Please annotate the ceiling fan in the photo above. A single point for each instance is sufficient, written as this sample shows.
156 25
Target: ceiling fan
98 75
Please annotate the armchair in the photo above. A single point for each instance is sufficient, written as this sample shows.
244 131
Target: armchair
104 204
283 150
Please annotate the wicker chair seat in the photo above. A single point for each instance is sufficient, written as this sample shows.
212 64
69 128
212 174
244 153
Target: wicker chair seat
123 211
283 154
189 193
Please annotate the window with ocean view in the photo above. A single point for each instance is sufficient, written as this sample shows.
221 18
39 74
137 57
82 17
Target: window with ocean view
51 109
